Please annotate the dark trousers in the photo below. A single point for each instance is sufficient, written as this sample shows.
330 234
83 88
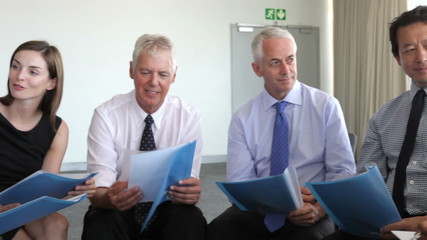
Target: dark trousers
340 235
172 222
9 235
234 224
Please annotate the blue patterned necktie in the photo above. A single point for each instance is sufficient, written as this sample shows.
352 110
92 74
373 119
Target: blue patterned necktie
279 159
147 144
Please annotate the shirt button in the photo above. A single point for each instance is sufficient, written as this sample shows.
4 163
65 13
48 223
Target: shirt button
414 162
411 182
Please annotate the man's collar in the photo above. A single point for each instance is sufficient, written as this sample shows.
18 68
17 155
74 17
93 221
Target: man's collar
294 96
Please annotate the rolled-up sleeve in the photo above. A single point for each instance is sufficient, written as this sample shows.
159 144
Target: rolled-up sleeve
101 155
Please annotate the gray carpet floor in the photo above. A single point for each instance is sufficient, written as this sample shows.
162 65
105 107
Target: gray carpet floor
212 203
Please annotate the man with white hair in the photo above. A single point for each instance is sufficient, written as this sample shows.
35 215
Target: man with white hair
306 123
163 121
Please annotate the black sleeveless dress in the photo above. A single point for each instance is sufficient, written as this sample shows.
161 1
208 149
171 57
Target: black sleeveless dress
22 153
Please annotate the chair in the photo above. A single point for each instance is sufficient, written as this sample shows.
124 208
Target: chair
353 141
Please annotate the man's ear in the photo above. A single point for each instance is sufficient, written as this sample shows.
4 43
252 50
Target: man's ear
131 70
397 57
174 74
52 84
257 69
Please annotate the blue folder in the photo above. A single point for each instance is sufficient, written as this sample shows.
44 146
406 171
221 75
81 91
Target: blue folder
359 205
168 167
40 184
33 210
39 195
276 194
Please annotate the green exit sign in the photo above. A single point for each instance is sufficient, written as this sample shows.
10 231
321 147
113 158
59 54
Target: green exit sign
275 14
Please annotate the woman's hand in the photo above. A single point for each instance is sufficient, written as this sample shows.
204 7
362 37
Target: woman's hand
88 187
6 207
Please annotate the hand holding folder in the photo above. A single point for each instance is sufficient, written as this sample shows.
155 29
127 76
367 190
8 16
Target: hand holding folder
39 195
155 171
359 205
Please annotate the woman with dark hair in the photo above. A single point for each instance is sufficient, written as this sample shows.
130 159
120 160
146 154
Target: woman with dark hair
32 137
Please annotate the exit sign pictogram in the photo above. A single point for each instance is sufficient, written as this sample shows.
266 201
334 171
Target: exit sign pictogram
275 14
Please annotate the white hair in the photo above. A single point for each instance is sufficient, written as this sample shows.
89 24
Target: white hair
268 33
151 43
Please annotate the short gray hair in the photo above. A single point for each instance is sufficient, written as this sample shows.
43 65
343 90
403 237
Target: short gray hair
150 44
270 32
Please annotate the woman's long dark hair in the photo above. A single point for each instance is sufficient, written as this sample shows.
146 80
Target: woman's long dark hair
52 98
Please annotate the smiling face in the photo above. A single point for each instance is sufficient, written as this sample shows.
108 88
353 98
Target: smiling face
278 66
152 74
29 77
412 47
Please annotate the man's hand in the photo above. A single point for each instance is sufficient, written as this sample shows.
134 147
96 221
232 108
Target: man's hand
123 198
307 196
407 224
186 192
423 229
310 213
305 216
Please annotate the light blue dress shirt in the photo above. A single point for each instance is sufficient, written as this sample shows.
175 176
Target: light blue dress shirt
319 146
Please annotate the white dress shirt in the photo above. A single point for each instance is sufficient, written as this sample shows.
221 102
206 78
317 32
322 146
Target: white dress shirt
319 146
117 127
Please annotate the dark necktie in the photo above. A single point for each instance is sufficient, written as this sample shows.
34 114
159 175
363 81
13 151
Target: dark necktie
147 140
279 159
147 144
406 151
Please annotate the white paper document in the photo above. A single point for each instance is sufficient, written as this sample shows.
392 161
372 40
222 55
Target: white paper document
406 235
155 171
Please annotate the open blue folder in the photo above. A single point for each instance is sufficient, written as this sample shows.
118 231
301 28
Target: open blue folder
275 194
155 171
34 210
359 205
39 195
40 184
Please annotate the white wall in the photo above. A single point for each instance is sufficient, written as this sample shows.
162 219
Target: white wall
96 39
414 3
